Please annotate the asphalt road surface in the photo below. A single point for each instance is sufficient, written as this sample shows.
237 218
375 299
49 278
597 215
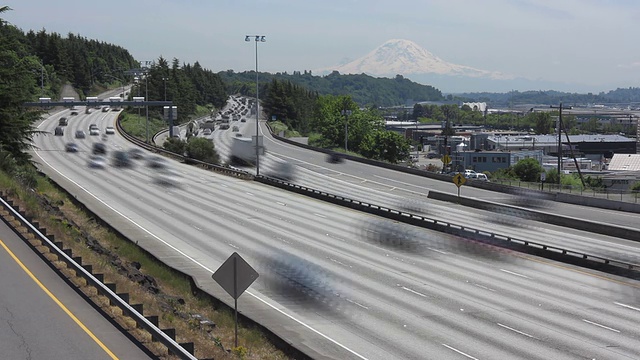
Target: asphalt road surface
41 317
365 296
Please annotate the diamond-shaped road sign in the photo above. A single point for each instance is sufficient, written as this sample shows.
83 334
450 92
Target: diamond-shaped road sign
459 179
235 275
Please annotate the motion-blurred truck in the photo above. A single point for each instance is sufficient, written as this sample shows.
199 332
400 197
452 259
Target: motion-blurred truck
243 152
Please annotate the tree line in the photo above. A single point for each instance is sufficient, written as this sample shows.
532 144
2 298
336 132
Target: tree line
188 86
617 96
365 90
56 60
323 118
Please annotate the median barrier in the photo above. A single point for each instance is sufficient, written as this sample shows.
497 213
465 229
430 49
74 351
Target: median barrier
560 197
554 219
612 266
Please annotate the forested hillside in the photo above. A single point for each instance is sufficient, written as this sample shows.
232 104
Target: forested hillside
618 96
365 90
188 86
82 62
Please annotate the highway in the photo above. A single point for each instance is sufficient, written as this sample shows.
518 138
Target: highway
41 317
408 192
446 298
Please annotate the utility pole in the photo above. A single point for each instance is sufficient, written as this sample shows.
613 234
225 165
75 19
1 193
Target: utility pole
559 138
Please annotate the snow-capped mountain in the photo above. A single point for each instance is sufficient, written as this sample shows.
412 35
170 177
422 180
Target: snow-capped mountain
405 57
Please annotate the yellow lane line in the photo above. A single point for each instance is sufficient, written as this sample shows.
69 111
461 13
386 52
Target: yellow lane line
60 304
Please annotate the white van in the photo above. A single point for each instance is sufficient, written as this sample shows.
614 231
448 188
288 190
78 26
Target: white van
481 177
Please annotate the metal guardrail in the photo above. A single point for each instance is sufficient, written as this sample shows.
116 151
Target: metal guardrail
444 226
140 320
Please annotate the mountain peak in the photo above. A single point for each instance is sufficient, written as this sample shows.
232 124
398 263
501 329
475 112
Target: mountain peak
400 56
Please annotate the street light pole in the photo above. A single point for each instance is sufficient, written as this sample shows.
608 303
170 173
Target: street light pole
346 114
257 38
164 80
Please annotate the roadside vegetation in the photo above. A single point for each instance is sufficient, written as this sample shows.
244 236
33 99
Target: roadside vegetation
162 291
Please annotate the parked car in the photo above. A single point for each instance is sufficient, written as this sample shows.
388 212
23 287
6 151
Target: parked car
243 120
59 131
206 131
470 174
80 134
235 128
432 155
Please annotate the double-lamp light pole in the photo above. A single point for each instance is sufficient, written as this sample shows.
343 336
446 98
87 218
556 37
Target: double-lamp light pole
257 39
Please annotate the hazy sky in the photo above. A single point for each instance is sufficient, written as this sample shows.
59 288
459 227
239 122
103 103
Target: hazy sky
591 42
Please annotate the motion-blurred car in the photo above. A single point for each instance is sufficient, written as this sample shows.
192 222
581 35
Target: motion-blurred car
335 158
136 153
156 162
97 162
71 147
74 113
59 131
80 134
94 132
93 126
121 159
99 148
63 121
109 130
167 177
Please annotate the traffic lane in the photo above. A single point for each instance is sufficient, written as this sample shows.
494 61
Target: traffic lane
418 183
257 192
218 228
506 223
34 324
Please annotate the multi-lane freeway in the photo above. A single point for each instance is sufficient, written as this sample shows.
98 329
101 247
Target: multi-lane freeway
445 299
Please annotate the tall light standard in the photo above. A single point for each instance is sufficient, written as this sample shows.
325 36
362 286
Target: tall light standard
164 80
346 114
257 38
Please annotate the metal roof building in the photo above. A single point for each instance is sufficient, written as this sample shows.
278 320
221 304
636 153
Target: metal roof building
624 162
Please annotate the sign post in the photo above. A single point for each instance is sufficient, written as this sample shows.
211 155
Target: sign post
459 180
235 275
543 178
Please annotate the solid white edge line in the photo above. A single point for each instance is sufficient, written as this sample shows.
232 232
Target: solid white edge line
459 352
198 263
627 306
514 330
600 325
413 291
515 273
